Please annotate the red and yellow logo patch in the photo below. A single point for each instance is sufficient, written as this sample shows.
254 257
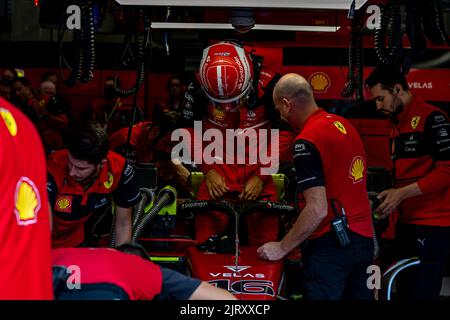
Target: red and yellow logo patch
357 169
108 183
64 204
9 120
340 127
415 122
27 202
320 82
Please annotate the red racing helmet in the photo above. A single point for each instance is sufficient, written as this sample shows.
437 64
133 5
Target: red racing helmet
226 74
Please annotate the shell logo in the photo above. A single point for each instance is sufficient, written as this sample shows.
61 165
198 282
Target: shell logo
320 82
340 127
9 120
110 180
415 122
27 202
64 203
357 169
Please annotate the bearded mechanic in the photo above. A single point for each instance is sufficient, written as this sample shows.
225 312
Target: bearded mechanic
420 149
83 180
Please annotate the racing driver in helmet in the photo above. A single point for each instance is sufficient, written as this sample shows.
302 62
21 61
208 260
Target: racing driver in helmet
233 90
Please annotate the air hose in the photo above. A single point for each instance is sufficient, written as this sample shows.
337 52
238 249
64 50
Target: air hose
165 197
147 198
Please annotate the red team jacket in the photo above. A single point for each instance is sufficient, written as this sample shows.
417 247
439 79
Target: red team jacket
329 152
420 144
72 205
25 269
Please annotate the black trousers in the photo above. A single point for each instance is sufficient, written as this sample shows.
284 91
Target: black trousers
332 272
431 245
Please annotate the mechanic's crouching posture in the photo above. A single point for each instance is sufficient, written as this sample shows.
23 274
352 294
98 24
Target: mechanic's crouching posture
125 273
331 168
82 182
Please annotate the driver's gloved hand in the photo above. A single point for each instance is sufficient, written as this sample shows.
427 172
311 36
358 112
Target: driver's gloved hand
218 243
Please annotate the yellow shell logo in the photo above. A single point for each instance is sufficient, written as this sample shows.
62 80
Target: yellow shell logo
63 203
340 127
110 181
357 169
415 122
320 82
27 202
9 120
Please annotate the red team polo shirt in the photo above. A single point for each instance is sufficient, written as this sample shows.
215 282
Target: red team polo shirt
329 152
25 262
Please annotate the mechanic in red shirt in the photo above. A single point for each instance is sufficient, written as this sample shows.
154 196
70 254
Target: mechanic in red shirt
82 182
420 146
125 273
331 169
25 268
233 91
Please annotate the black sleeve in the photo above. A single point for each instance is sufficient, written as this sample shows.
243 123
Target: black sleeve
308 165
126 194
437 136
177 286
52 190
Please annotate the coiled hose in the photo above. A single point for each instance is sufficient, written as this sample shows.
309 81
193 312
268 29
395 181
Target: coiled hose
355 61
87 27
390 24
141 39
433 24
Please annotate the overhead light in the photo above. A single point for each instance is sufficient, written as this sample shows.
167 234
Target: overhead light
228 26
288 4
